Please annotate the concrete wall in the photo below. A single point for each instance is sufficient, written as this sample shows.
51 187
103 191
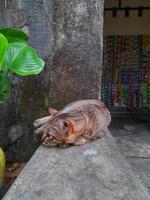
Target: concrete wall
127 25
68 35
76 64
29 95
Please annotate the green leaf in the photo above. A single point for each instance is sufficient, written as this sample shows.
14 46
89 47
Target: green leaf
22 59
4 86
14 35
3 47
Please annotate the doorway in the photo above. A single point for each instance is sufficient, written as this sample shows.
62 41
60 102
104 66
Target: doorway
126 60
126 80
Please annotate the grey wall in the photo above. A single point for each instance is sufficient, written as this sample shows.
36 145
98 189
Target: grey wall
68 35
75 71
29 95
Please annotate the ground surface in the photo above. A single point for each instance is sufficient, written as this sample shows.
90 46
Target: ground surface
132 134
94 171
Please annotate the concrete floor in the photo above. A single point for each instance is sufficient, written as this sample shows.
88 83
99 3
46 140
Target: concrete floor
132 133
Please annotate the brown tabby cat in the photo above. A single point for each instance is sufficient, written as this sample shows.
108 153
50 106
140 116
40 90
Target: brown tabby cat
77 123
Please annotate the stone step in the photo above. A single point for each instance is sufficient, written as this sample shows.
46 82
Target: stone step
96 171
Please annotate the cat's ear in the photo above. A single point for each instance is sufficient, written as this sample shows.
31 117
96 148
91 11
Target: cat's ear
53 111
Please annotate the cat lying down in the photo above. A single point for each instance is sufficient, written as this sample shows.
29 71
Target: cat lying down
77 123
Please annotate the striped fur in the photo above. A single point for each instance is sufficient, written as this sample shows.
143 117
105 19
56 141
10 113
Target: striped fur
77 123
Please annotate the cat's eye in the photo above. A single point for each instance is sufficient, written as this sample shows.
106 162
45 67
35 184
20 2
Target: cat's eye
65 125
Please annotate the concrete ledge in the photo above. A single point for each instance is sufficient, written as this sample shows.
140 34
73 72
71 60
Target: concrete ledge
96 171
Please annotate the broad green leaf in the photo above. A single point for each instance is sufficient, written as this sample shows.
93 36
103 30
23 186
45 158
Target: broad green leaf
22 59
4 86
3 47
14 35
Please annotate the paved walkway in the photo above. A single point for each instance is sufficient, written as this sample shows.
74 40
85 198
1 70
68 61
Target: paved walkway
132 134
